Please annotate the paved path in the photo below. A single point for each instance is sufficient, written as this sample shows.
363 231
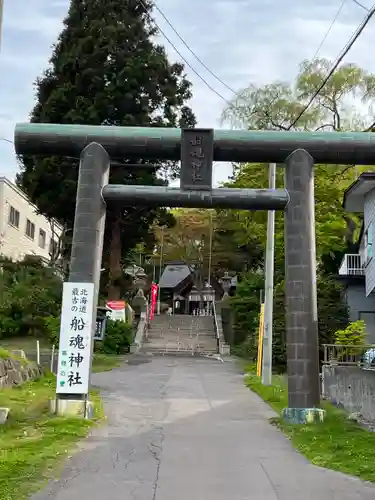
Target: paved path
188 429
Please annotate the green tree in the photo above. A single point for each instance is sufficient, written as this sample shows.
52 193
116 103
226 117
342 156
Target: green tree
335 228
198 233
332 316
105 70
275 107
29 294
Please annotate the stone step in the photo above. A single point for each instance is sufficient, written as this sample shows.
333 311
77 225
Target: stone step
186 330
208 320
182 338
177 352
181 334
203 331
181 345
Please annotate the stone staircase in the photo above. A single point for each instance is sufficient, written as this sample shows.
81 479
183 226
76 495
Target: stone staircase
181 335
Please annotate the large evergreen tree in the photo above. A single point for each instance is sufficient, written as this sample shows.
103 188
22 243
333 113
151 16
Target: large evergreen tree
105 70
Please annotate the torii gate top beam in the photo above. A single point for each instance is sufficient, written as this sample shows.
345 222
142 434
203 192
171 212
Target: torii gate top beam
165 143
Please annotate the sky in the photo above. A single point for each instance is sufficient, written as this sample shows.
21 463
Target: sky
242 42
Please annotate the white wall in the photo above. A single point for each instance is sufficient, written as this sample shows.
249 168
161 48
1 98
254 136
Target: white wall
369 216
14 243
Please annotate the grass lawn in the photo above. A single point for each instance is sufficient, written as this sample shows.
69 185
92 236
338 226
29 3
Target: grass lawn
106 362
337 443
33 443
4 354
101 362
25 343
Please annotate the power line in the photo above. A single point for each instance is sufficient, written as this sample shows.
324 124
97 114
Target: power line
329 29
344 52
182 57
6 140
361 5
191 50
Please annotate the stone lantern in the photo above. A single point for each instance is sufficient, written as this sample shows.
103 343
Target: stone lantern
140 280
226 282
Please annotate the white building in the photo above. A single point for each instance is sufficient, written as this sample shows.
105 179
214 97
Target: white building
22 230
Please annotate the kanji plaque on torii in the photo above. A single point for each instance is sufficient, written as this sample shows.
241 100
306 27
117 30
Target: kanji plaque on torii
197 152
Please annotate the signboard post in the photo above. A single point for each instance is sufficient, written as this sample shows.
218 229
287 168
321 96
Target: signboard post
116 310
101 324
73 371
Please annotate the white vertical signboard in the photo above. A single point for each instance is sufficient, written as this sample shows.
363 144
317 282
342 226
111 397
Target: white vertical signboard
76 326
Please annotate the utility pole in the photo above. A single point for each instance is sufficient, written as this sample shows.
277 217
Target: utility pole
153 271
160 266
268 299
210 250
1 19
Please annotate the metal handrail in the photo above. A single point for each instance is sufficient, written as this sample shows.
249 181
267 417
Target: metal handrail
347 354
216 326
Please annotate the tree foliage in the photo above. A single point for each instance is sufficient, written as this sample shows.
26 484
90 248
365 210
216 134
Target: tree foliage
332 316
29 294
353 334
117 340
199 234
276 107
335 228
105 70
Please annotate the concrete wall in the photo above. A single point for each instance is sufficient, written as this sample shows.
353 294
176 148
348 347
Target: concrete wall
15 243
352 388
369 216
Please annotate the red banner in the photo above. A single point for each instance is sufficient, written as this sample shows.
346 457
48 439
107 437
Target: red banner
154 295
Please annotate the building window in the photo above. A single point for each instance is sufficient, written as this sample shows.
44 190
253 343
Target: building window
14 217
42 238
368 243
30 229
53 248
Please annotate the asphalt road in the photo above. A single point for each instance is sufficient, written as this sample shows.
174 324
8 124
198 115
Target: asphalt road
188 429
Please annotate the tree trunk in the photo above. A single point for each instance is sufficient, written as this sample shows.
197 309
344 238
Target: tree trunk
115 271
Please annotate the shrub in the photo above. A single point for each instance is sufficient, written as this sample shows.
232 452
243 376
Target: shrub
332 315
117 340
29 292
246 306
353 335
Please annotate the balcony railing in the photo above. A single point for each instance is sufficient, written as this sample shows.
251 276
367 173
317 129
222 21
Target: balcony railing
351 265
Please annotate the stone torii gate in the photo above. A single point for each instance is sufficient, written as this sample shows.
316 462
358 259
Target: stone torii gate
197 148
